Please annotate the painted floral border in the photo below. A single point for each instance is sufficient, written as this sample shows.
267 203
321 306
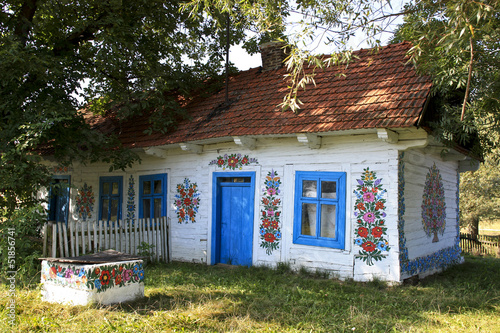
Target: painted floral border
131 199
85 202
270 227
437 260
233 161
433 204
370 232
100 278
187 201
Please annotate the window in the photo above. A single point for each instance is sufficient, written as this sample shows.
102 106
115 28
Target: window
319 218
152 196
59 199
110 198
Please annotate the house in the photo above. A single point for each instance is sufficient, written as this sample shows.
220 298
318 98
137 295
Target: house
353 184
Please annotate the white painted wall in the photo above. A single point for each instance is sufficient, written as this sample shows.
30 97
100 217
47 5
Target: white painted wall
349 153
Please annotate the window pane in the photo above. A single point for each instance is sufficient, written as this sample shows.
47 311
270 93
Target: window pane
114 210
105 209
146 188
146 207
115 189
328 221
105 188
308 225
157 185
309 188
157 208
328 190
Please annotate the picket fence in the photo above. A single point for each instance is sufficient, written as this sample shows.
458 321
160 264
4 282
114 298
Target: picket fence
136 237
481 245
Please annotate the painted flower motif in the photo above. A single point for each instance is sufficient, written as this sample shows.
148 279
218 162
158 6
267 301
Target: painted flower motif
105 277
368 211
363 232
187 201
233 161
377 232
270 232
433 204
118 279
127 275
269 237
369 217
368 197
97 283
368 246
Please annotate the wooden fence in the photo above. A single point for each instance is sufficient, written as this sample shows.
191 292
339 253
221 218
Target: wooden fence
483 245
136 237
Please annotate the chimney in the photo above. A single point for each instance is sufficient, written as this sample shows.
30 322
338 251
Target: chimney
273 54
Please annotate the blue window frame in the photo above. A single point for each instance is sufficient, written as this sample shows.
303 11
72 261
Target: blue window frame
110 198
319 218
152 196
59 199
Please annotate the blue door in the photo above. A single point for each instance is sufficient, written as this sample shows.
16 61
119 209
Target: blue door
59 199
233 236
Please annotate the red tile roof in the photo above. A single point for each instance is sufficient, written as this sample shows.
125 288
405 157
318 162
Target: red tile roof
379 90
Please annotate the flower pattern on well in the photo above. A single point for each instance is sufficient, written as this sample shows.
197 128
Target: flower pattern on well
270 226
85 202
433 204
370 232
233 161
99 278
187 201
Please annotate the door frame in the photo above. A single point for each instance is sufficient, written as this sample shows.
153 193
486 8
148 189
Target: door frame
67 196
216 209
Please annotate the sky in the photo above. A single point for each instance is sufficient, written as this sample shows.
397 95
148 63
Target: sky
244 61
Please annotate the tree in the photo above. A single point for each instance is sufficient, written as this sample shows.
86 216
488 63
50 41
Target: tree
118 57
480 194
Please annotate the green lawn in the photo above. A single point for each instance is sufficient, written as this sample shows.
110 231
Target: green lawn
198 298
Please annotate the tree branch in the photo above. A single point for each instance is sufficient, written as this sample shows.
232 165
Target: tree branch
24 20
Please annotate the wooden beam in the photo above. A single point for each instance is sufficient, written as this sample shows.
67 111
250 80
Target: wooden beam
387 135
191 147
245 141
157 152
312 140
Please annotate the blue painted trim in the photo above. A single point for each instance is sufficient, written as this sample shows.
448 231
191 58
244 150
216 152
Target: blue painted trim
216 207
340 202
51 215
111 179
163 195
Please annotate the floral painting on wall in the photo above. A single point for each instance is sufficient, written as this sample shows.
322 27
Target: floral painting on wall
187 201
85 202
131 200
270 227
370 232
233 161
433 204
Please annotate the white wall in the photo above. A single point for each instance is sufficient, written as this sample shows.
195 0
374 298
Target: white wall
350 154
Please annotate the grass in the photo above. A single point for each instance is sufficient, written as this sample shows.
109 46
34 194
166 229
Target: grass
199 298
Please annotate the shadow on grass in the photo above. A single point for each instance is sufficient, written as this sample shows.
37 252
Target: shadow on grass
307 302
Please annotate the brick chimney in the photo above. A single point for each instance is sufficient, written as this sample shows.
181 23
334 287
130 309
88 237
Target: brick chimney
273 54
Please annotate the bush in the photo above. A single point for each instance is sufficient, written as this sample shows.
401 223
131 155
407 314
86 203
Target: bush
21 244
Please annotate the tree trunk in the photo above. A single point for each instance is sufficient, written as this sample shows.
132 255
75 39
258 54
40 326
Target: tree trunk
473 226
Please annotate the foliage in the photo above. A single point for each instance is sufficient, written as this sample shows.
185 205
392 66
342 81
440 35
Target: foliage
458 43
19 236
120 58
480 194
146 250
200 298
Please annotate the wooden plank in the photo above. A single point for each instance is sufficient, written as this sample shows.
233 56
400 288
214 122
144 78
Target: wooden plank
65 236
83 238
44 251
156 233
89 236
54 241
61 245
116 236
